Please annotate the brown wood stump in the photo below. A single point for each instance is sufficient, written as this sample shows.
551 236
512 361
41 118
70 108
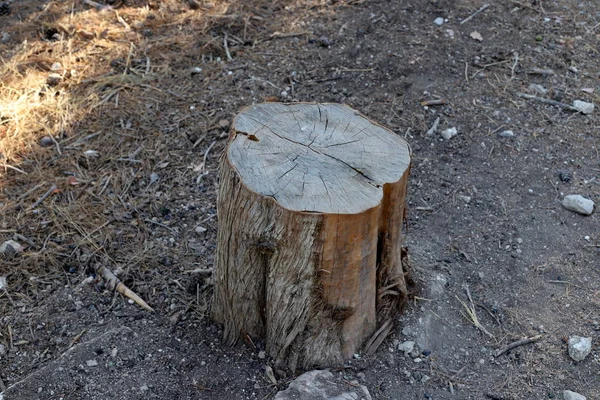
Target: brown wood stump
311 204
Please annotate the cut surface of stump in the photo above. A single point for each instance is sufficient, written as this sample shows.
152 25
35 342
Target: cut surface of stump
309 254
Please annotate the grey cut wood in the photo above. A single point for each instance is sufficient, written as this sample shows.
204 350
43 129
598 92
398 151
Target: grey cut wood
309 255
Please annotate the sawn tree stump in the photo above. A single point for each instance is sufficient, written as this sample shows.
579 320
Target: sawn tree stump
311 204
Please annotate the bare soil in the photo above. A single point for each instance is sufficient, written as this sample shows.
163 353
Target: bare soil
135 121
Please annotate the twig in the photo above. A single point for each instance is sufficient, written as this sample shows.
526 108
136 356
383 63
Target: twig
98 6
44 197
77 338
540 71
378 337
518 343
159 224
226 47
13 168
472 314
114 283
512 69
435 102
547 101
481 9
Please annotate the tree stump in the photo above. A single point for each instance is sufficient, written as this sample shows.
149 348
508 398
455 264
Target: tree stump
311 203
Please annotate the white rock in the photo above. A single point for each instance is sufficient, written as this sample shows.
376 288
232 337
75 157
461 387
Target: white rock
506 134
449 133
200 229
5 37
407 346
91 153
534 87
439 21
434 127
579 204
92 363
11 248
262 354
579 347
568 395
477 36
2 350
583 107
322 385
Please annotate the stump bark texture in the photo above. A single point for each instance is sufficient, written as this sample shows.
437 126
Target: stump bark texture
311 204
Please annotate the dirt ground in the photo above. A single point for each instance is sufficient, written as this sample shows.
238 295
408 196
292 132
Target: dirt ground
112 120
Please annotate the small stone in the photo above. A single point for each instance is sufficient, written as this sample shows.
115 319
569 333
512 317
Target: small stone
477 36
92 363
425 378
466 199
579 204
53 79
2 350
568 395
534 87
195 70
418 360
224 123
11 248
579 347
46 141
583 107
113 352
144 388
565 175
322 385
91 153
154 177
262 355
439 21
200 229
407 346
56 66
3 283
5 37
506 134
447 134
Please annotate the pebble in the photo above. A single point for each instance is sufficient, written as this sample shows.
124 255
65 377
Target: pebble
568 395
195 70
11 248
46 141
579 347
579 204
5 37
3 283
262 355
56 66
2 350
154 177
466 199
200 229
53 79
144 388
506 134
583 107
439 21
92 363
534 87
449 133
406 347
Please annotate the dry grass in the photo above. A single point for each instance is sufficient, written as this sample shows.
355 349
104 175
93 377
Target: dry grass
109 93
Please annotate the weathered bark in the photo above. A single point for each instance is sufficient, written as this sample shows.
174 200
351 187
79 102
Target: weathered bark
311 204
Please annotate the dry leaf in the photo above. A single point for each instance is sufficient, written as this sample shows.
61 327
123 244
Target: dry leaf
477 36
